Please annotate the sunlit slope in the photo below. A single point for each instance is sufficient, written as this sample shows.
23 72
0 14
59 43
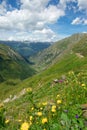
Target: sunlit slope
59 103
71 61
56 51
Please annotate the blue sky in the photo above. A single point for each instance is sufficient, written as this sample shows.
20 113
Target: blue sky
42 20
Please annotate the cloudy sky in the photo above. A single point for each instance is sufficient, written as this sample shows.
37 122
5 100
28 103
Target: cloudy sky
41 20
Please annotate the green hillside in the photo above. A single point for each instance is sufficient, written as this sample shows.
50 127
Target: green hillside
39 103
12 65
81 46
54 53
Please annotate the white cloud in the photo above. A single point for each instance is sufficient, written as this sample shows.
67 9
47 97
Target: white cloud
11 38
51 14
85 21
78 20
45 34
3 8
35 5
82 4
63 3
33 17
26 19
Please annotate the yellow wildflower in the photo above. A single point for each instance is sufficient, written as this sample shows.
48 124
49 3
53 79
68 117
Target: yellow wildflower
19 120
32 108
44 103
31 118
25 126
29 90
58 96
39 113
30 123
53 108
44 120
83 85
59 101
7 121
41 108
44 129
71 73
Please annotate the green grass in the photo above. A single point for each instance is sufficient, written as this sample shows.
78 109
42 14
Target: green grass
81 47
72 94
53 54
67 63
68 113
66 96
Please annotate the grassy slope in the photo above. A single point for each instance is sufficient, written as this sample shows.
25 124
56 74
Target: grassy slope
67 63
81 47
54 53
71 92
12 65
70 61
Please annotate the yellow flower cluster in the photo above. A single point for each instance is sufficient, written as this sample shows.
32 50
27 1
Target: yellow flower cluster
29 90
44 120
19 120
58 96
53 108
44 103
41 108
83 85
25 126
39 113
7 121
43 114
59 101
32 108
31 118
71 73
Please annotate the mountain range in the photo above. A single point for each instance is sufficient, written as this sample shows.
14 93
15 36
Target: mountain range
26 48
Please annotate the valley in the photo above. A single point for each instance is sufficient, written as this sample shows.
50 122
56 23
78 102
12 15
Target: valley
12 65
27 48
34 98
43 64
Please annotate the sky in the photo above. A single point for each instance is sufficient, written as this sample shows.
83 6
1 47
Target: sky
42 20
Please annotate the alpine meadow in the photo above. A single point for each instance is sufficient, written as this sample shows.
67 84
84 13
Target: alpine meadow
43 65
